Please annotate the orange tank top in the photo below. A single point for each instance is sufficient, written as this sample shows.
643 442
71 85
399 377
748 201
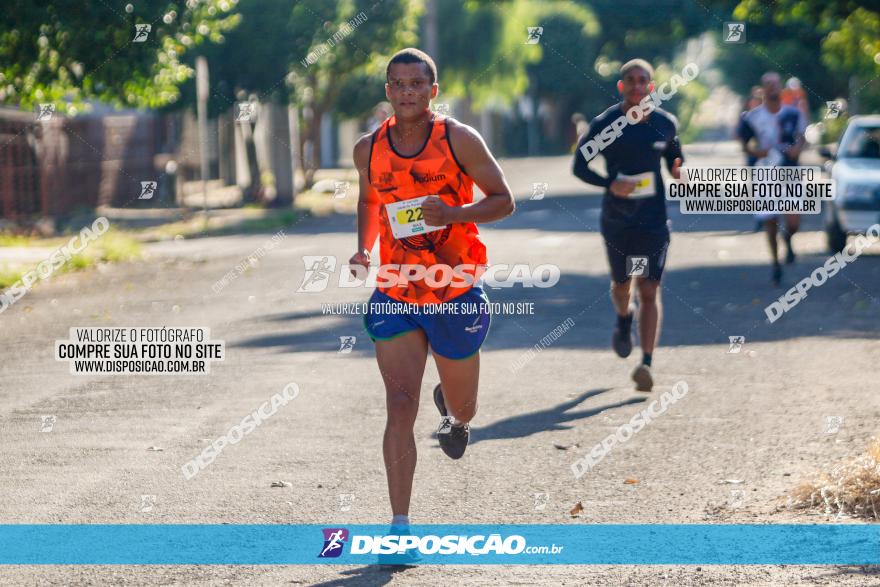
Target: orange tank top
434 170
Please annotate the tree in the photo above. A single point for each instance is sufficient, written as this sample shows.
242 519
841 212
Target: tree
834 47
565 76
483 57
631 28
574 65
254 57
334 41
253 61
68 51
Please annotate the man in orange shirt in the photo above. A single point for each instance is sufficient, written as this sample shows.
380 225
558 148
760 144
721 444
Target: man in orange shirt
417 173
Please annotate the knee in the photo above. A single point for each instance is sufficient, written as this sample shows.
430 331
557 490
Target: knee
648 292
620 290
402 408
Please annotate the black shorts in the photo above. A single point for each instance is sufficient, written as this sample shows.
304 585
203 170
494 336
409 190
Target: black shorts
636 252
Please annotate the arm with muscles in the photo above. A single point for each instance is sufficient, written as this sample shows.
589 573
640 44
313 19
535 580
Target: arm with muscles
477 162
368 205
581 169
746 133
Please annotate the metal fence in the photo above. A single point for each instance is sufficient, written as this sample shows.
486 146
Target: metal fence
53 167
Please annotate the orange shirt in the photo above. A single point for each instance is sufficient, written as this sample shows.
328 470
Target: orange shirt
432 171
796 97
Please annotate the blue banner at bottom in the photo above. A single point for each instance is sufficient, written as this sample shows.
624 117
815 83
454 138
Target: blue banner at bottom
595 544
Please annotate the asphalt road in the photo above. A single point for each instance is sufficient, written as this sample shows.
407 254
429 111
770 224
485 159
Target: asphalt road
757 416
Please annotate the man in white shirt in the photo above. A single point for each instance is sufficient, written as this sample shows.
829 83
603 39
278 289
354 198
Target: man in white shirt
772 134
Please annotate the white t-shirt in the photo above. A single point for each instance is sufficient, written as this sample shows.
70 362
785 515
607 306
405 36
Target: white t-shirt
774 133
768 126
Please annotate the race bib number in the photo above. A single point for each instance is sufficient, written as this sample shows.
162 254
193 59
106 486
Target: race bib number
644 184
406 218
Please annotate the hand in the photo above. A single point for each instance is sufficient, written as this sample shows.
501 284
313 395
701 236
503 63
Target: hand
760 153
676 168
361 259
437 213
793 152
622 187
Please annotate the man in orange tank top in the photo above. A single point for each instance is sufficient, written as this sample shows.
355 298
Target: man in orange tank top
417 173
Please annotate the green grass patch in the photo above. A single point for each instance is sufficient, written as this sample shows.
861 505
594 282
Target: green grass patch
8 276
15 240
113 247
116 246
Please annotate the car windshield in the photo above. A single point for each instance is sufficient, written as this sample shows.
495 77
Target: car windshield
862 142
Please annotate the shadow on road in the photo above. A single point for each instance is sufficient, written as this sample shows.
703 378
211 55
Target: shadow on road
544 420
565 213
702 305
373 576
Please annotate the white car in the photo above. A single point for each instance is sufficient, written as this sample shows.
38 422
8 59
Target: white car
856 171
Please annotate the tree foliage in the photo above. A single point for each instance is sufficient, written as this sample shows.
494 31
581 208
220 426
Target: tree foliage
826 44
68 51
569 47
255 56
650 29
324 53
482 51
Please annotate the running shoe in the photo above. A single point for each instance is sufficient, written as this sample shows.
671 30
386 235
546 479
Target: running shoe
394 560
789 250
453 438
777 274
621 340
642 376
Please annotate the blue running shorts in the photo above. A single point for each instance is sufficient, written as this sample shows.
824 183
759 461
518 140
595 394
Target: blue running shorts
455 329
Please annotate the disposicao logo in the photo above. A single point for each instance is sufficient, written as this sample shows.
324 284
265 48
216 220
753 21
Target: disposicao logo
334 539
428 545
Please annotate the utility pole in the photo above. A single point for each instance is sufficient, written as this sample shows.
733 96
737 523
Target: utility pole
202 92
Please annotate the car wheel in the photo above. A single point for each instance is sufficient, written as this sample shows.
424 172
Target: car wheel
836 236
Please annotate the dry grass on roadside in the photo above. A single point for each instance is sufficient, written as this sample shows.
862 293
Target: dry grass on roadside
324 204
851 488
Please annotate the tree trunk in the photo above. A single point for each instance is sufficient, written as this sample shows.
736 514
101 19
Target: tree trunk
253 192
315 140
314 108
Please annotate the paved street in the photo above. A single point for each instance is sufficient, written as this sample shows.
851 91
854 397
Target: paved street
757 416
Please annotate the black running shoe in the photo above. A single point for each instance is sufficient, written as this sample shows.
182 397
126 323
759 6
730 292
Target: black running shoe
453 439
789 256
642 376
621 340
777 274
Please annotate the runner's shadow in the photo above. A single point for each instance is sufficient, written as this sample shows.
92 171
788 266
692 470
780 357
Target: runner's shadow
373 575
544 420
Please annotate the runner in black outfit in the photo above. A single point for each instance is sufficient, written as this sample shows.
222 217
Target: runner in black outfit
633 218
